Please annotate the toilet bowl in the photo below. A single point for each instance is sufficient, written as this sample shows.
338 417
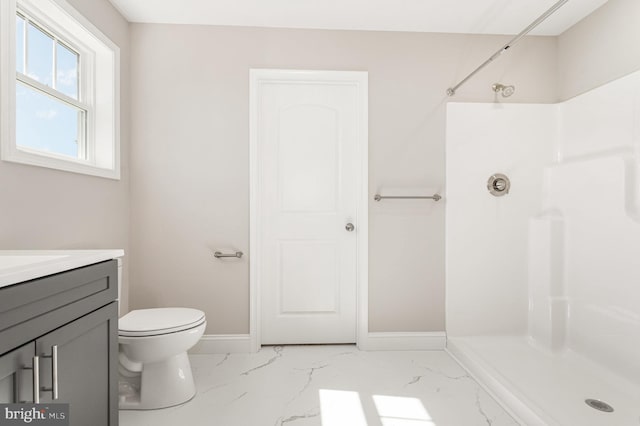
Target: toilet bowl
154 368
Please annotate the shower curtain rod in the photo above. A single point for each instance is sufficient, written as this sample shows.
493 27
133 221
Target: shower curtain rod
452 90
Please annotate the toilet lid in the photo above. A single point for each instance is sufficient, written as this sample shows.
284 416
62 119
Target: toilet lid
151 322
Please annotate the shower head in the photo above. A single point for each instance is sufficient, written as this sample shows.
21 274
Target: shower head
506 90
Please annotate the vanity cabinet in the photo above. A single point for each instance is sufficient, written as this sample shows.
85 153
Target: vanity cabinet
67 325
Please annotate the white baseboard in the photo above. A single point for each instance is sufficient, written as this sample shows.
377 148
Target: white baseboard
222 344
404 341
390 341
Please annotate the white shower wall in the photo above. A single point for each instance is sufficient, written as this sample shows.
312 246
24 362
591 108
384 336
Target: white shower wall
486 243
596 187
558 259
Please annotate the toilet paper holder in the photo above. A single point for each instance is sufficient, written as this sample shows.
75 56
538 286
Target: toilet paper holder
219 254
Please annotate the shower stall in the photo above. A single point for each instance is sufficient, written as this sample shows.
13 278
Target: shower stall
543 282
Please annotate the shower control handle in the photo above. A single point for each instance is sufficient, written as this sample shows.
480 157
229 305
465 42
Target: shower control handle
498 185
349 227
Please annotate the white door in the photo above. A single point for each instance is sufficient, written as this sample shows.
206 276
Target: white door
307 126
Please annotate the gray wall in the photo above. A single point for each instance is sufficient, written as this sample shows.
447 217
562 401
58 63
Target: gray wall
602 47
189 179
190 168
50 209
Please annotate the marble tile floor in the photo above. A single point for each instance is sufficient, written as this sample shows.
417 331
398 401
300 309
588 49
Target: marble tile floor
329 386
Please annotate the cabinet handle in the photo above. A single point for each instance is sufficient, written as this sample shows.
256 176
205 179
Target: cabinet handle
36 379
54 372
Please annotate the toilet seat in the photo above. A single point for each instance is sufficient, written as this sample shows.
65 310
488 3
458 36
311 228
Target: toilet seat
158 321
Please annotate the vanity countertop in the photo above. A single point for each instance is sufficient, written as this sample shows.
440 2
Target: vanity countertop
23 265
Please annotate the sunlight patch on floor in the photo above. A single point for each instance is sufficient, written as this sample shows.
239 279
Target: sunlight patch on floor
339 407
402 411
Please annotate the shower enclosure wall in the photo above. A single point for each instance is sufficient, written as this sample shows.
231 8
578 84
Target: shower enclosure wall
543 284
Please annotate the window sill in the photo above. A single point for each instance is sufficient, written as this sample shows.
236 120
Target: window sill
57 163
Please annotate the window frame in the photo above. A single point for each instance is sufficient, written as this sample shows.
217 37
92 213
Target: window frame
98 87
85 82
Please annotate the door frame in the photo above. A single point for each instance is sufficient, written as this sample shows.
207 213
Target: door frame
359 79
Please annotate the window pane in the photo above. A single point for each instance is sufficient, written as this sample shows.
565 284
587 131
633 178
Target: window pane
19 44
47 124
39 55
67 71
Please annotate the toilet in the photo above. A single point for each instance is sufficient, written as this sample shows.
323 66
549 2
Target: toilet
154 370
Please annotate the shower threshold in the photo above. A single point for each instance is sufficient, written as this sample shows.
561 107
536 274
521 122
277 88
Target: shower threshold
539 387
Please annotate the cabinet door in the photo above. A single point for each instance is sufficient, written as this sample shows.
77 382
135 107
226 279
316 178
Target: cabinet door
87 351
15 380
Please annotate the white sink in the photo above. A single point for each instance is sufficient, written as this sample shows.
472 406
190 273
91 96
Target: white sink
17 266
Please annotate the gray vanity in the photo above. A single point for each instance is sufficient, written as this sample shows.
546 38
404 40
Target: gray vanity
59 336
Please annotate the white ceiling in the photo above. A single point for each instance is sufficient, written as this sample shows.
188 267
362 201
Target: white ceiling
452 16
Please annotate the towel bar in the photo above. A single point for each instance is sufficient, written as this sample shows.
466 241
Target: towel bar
434 197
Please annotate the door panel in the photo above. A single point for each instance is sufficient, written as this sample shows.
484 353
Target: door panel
307 134
308 157
308 287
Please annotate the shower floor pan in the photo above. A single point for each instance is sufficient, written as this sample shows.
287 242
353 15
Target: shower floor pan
538 387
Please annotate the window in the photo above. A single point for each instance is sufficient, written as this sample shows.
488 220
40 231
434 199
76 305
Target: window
50 116
60 89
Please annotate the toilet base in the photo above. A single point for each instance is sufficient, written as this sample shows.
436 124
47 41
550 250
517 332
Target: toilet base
160 385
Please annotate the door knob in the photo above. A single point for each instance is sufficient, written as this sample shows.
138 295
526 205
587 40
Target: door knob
349 227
